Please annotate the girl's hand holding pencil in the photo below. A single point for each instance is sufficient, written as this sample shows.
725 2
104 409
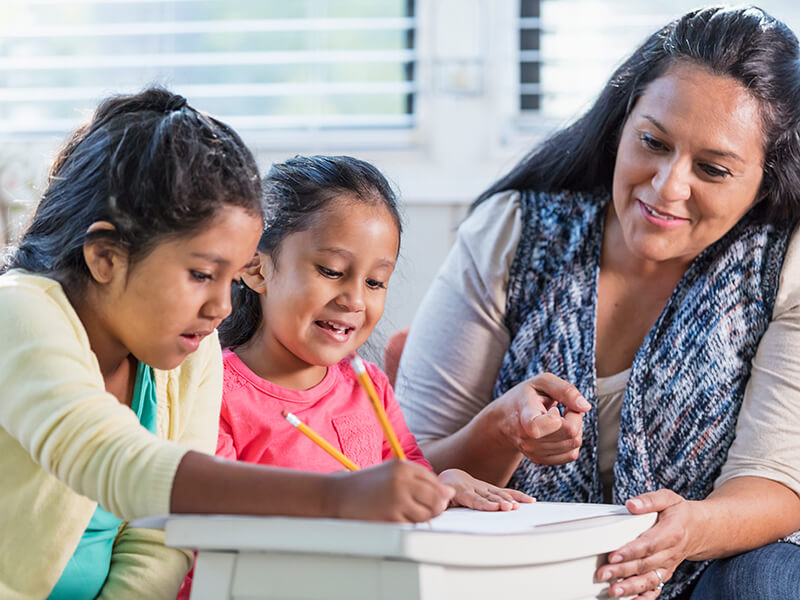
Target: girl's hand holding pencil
395 490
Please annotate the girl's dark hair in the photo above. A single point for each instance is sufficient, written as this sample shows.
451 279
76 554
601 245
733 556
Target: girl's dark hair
149 164
746 44
296 193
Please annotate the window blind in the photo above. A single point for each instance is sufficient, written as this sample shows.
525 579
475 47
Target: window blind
257 64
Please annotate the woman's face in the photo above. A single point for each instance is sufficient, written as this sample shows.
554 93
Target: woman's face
689 163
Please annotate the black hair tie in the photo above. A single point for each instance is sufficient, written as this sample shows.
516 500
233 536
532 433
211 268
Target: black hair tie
176 102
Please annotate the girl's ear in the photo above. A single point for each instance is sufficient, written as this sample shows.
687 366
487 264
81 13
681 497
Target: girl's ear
103 255
253 273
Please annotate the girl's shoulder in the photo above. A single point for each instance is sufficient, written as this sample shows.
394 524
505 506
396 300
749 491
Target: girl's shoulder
233 377
22 284
34 305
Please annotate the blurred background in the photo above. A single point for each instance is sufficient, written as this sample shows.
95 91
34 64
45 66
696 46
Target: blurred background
442 95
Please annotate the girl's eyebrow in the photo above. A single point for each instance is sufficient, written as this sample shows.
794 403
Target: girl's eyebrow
384 262
211 258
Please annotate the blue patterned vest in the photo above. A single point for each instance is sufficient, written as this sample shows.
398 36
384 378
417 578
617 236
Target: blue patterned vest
687 379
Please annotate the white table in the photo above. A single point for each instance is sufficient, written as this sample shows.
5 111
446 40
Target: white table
276 558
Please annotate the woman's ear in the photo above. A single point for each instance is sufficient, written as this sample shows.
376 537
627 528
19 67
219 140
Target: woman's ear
103 255
253 273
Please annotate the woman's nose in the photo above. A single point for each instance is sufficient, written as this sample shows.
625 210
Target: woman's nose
672 180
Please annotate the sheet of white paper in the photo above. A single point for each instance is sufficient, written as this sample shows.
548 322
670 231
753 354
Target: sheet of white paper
526 518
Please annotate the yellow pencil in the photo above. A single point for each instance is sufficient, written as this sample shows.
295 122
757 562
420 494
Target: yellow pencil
319 440
366 384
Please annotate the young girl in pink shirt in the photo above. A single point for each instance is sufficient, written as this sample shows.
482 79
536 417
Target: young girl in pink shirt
313 295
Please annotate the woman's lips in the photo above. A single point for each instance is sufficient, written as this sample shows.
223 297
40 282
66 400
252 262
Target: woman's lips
660 218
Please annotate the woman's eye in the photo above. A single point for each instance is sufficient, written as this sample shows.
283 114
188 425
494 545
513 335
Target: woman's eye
375 284
713 171
329 272
200 276
652 143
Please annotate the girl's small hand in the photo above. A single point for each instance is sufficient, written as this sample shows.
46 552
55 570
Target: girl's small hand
479 495
395 490
658 551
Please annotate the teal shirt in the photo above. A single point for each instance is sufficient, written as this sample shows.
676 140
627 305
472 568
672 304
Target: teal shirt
87 570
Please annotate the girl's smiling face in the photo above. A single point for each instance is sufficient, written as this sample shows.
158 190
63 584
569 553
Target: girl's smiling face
159 308
689 163
324 292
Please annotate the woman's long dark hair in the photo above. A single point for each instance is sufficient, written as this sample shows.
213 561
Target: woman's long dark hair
149 164
746 44
296 192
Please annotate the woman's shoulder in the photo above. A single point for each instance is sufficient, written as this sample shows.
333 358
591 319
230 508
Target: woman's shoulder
494 213
788 297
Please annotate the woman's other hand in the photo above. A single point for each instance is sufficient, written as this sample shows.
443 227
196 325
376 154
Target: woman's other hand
528 417
479 495
395 490
642 565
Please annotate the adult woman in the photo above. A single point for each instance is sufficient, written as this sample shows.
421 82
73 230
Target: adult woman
637 254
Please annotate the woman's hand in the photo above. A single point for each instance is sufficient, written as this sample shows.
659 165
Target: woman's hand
479 495
649 560
528 417
395 490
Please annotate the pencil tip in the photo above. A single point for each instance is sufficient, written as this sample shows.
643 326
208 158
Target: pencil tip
283 413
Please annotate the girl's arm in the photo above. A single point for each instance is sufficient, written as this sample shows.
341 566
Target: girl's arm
143 567
392 491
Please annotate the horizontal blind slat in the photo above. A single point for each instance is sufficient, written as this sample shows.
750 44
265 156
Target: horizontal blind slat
316 71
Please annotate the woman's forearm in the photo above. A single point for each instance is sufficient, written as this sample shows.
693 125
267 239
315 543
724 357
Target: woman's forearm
477 448
742 514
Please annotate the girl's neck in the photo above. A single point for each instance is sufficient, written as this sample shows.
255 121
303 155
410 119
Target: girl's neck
279 365
117 365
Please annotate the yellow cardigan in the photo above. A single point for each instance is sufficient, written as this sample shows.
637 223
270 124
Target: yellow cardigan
65 444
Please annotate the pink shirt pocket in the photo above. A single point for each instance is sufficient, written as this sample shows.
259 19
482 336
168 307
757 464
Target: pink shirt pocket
360 438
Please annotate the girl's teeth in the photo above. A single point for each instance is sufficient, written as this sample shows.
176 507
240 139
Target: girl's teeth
335 326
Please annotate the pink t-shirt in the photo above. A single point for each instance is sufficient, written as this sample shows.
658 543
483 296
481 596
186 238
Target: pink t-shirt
251 427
